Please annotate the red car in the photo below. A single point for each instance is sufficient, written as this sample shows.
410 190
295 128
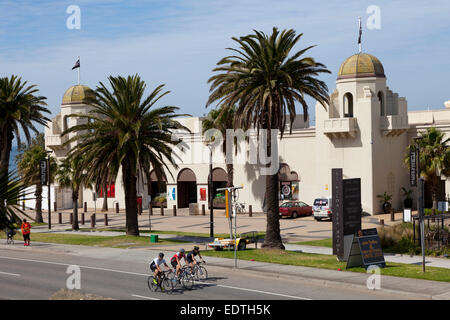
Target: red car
295 209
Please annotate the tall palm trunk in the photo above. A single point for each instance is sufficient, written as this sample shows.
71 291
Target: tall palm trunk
273 237
75 225
105 198
6 139
230 174
129 182
38 195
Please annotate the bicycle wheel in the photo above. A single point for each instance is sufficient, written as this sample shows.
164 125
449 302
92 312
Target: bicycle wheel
167 285
187 280
151 284
201 273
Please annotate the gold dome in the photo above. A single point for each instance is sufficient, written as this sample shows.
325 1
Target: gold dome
77 94
361 65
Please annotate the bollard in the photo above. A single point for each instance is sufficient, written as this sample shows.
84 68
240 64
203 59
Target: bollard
117 207
162 210
71 218
82 218
59 217
250 211
92 220
106 219
392 215
382 222
174 210
23 205
139 209
150 209
85 207
203 210
54 206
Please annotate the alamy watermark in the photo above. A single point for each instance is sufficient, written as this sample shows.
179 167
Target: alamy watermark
374 281
74 20
73 282
374 20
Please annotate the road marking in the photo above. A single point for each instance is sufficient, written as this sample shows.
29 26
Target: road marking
10 274
144 274
142 297
257 291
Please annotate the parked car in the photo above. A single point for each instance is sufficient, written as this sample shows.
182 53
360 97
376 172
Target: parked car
295 209
322 208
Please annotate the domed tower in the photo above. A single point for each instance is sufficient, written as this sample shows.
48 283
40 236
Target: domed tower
361 126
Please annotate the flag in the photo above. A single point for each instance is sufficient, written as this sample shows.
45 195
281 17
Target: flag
360 31
77 64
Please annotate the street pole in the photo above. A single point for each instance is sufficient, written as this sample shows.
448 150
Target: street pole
210 193
49 202
420 202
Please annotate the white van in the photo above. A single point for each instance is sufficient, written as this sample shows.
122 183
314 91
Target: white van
322 208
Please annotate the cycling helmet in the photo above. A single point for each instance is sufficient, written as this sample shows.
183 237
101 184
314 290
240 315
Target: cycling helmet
161 255
196 248
182 250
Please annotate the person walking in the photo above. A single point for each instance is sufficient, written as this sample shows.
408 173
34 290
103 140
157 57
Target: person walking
26 230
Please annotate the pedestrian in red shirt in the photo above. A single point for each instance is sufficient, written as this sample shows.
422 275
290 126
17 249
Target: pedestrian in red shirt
26 230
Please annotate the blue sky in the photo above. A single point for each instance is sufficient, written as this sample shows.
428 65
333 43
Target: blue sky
179 42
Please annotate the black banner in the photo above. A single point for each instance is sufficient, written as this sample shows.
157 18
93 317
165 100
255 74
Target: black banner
44 172
413 168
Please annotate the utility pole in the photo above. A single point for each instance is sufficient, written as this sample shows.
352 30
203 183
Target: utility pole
210 193
420 201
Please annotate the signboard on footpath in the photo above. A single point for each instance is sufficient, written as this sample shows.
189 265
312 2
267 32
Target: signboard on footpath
365 250
44 172
346 211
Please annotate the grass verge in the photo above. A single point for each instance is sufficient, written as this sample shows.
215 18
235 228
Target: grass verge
100 241
317 243
330 262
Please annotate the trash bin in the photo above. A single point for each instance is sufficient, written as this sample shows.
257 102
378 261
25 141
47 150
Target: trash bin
154 238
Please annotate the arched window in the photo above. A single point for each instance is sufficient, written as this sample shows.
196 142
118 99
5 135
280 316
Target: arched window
381 99
65 123
348 105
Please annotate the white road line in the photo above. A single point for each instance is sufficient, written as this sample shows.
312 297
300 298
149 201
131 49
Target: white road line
10 274
146 275
142 297
258 291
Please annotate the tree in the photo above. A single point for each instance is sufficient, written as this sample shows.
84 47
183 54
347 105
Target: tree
71 175
28 164
222 119
20 109
124 130
434 158
265 82
12 189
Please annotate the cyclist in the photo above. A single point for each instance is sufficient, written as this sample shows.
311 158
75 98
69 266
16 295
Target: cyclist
190 257
154 266
176 260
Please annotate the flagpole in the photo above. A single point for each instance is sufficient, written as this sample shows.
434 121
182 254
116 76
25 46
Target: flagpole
360 33
79 71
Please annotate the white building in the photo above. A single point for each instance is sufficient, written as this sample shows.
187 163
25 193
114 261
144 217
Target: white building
364 130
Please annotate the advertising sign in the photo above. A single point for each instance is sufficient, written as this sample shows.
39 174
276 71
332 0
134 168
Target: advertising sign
44 172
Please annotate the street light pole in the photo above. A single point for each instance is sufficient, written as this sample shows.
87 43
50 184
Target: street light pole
420 202
48 198
210 194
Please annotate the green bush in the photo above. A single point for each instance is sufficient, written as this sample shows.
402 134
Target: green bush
160 199
429 212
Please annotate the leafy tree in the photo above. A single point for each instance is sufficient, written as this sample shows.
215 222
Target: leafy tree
71 175
28 165
266 81
20 109
434 158
125 130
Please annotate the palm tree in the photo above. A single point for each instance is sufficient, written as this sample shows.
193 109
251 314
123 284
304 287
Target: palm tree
434 158
222 119
28 164
69 175
124 130
266 82
20 109
12 189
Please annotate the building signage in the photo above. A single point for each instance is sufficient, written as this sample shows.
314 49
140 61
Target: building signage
44 172
352 205
171 194
337 212
413 168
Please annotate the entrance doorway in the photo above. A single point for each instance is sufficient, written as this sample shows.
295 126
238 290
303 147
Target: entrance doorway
186 188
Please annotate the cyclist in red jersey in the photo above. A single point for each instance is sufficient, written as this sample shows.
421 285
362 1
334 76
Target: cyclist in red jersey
175 261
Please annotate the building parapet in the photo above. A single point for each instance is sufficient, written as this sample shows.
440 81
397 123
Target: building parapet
340 127
394 125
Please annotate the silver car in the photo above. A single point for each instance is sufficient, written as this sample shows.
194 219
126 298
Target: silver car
322 208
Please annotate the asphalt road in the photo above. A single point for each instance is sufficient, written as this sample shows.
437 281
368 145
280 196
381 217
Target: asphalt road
37 275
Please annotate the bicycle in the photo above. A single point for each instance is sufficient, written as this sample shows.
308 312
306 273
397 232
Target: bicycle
200 272
240 207
165 284
186 277
10 237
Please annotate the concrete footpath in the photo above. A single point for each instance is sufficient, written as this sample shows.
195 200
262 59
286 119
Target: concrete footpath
414 288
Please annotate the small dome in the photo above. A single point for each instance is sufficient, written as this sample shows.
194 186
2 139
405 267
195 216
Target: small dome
77 94
361 65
